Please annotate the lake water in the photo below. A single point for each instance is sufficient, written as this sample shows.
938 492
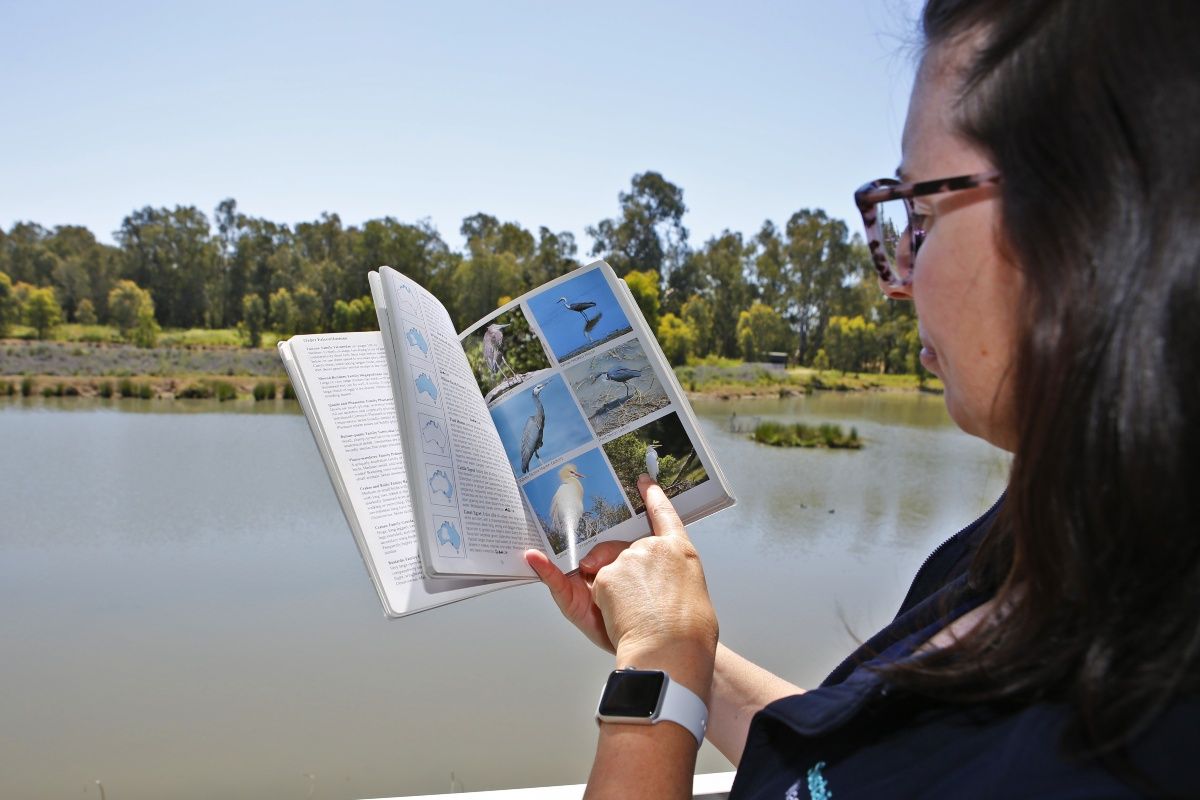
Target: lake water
185 613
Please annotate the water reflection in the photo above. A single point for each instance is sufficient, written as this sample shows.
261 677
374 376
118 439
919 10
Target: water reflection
188 617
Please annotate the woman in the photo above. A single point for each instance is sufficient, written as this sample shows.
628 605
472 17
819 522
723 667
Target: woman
1051 170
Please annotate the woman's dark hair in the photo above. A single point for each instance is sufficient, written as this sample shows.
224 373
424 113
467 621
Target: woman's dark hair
1091 110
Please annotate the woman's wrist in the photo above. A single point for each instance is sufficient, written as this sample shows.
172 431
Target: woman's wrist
688 664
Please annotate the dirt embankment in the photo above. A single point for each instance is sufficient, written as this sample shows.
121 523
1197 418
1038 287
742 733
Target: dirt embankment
91 369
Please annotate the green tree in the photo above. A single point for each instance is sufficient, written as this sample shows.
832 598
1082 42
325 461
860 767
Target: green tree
416 250
10 305
677 338
850 342
145 332
171 253
644 287
821 258
357 315
722 268
760 330
126 302
308 310
85 314
698 313
281 310
254 318
553 256
42 312
649 233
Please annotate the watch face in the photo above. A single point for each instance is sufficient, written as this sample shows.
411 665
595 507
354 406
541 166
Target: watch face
632 693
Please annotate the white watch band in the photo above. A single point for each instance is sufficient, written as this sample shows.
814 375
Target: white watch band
675 703
684 707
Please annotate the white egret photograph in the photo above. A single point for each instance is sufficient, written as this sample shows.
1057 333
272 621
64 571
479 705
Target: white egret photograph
577 501
660 449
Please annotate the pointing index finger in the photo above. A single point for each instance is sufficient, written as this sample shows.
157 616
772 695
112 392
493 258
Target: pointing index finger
663 519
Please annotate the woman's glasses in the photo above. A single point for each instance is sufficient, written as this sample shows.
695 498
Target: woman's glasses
895 228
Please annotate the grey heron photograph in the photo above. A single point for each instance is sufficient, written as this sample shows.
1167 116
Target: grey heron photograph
617 387
577 501
661 449
504 352
579 314
538 424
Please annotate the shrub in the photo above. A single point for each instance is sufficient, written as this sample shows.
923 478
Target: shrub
26 386
264 391
70 390
195 391
798 434
105 389
289 393
145 391
224 391
125 387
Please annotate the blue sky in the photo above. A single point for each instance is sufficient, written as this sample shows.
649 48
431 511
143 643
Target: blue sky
536 112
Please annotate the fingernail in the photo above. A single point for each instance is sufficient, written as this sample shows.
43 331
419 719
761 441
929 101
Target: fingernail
588 563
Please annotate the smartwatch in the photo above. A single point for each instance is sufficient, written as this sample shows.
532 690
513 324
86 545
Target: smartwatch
648 697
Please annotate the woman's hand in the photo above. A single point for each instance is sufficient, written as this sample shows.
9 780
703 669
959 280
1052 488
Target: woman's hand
573 593
647 601
654 600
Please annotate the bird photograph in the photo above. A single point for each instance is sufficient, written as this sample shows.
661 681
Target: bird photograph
532 435
617 387
504 352
579 314
662 450
538 423
576 501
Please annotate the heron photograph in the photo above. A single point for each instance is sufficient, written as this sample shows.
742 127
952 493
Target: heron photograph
504 352
538 424
617 387
578 315
661 449
577 501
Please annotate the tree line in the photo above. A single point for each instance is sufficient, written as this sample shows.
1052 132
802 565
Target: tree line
805 288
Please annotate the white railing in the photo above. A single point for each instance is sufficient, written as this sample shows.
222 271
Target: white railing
713 786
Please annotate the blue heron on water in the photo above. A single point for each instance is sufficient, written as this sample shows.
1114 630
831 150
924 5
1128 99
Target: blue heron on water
579 308
535 426
493 353
622 375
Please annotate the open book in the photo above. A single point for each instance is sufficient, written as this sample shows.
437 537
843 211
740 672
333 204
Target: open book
452 454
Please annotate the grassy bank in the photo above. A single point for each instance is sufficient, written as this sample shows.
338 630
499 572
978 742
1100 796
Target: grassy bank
728 379
147 387
185 360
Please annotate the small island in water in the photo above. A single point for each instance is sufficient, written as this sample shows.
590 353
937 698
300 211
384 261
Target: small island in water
797 434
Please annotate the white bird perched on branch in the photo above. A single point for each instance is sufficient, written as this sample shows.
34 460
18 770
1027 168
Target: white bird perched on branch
652 460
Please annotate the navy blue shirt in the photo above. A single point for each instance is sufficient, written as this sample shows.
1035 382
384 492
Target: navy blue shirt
855 738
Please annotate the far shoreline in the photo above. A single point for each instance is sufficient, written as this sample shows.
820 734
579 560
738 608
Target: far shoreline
78 369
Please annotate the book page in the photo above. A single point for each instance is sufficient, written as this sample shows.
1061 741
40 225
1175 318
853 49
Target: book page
584 402
468 508
344 387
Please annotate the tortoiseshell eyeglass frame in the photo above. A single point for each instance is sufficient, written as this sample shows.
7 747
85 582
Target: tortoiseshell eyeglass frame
870 195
